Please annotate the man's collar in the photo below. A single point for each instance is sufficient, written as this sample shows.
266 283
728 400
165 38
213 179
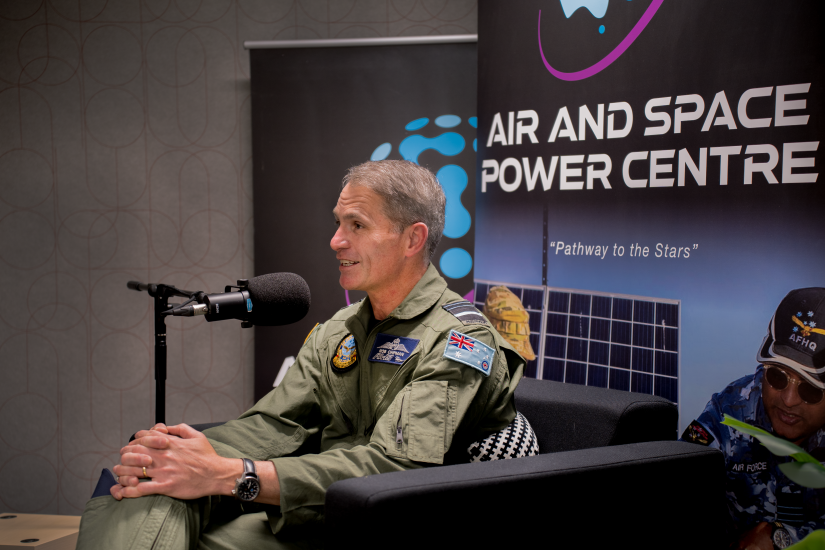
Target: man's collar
426 292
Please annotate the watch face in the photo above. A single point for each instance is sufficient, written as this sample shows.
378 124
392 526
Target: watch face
248 489
781 538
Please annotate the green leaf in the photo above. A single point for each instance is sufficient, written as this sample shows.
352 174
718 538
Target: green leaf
776 445
814 541
805 457
806 474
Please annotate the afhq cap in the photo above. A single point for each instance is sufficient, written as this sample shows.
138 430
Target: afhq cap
796 335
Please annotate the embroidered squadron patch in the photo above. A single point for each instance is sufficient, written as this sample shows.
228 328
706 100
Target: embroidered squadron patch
392 349
346 355
469 351
696 433
465 312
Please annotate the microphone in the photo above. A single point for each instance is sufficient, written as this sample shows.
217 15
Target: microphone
267 300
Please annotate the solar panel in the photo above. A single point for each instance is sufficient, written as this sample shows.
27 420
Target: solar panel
609 340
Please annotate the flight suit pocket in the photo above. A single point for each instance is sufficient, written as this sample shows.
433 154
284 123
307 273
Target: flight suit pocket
419 423
428 409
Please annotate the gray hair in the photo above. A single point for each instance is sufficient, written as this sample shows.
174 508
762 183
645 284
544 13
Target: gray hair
411 194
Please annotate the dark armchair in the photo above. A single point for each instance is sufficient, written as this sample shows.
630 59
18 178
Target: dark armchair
610 474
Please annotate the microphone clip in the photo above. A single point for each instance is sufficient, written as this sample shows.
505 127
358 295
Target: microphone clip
243 285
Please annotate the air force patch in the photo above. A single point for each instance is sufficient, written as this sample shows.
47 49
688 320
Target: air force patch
696 433
470 352
392 349
346 356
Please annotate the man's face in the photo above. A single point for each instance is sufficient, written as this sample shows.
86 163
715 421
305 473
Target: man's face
369 250
791 418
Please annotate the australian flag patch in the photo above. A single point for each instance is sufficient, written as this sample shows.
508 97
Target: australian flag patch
470 352
392 349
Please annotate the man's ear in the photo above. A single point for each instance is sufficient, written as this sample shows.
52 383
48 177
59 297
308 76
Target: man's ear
417 235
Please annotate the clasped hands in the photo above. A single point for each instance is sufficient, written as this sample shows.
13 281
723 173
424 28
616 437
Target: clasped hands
179 460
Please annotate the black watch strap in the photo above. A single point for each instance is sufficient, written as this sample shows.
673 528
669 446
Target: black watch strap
248 486
249 468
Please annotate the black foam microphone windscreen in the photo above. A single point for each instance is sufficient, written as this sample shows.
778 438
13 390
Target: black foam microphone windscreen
278 299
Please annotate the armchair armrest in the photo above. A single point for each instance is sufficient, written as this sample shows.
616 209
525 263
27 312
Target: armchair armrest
663 494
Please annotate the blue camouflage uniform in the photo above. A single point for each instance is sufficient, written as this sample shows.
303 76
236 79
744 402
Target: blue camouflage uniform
757 490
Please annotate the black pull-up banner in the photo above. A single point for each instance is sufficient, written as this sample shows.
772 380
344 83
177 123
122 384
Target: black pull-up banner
316 112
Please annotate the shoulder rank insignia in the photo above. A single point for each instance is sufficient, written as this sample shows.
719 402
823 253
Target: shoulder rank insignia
465 312
346 355
696 433
392 349
469 351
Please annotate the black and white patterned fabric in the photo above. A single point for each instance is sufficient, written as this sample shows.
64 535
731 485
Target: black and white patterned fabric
514 441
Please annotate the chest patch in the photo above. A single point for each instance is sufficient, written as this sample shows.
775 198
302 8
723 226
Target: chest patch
470 352
392 349
465 312
346 356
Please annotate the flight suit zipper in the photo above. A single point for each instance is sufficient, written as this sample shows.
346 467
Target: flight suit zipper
399 430
371 335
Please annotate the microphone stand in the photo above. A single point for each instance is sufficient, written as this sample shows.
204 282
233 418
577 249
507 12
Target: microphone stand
161 294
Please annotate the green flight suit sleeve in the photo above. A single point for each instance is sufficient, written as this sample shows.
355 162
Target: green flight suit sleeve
283 421
438 398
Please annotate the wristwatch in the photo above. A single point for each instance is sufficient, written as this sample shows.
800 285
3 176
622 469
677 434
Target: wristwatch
780 536
247 487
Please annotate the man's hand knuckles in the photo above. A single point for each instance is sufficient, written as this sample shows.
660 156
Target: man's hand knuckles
136 459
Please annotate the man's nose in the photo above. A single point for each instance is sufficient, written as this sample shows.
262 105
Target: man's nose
338 240
790 395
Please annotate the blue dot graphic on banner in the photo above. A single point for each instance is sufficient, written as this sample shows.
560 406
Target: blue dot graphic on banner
416 124
448 144
457 220
448 121
381 152
456 262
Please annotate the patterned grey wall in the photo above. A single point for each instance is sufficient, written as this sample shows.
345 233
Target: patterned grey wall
125 154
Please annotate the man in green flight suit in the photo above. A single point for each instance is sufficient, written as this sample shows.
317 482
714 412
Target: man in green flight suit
409 377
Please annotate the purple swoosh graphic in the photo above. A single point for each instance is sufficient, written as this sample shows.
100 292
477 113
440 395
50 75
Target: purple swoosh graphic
612 56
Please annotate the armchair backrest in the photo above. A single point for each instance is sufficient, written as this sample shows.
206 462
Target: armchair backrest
568 417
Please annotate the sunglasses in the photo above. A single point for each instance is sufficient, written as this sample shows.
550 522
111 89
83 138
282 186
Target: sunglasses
779 380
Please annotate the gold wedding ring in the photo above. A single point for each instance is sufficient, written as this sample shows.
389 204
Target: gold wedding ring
144 472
